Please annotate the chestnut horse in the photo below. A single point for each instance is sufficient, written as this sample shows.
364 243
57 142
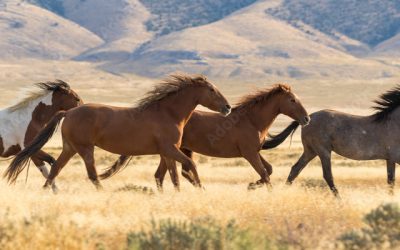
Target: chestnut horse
155 126
356 137
20 123
240 134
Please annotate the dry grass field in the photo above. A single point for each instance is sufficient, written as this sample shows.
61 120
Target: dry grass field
302 216
338 55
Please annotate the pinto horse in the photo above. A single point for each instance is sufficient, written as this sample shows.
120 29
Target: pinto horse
155 126
240 134
20 123
369 137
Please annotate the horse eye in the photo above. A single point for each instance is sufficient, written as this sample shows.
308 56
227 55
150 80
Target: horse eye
212 90
293 100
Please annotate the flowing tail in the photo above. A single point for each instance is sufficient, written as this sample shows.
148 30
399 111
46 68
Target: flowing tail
21 160
276 140
120 164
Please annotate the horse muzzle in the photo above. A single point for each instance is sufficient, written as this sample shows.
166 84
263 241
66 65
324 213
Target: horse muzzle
305 121
226 110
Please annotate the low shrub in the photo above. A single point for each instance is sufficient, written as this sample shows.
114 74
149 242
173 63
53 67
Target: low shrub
382 230
199 234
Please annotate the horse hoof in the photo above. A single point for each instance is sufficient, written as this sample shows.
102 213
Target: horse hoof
54 188
336 194
198 185
391 190
254 185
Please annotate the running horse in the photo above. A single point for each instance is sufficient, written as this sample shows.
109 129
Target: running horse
371 137
240 134
20 123
154 126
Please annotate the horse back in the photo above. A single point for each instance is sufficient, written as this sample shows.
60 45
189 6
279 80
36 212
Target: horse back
352 136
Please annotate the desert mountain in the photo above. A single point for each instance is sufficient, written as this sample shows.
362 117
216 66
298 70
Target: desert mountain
221 38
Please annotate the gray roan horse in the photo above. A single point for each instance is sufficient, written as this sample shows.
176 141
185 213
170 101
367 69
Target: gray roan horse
356 137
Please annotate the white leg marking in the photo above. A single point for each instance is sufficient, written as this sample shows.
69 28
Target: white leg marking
44 171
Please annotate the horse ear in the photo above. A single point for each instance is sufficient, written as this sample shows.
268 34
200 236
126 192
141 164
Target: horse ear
284 87
61 85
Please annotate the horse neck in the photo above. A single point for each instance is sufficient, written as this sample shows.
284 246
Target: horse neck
181 105
263 114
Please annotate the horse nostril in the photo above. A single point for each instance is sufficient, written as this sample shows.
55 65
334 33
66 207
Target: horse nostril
228 106
307 119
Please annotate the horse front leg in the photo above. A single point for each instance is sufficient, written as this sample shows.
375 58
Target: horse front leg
39 160
268 168
160 174
186 168
173 172
391 173
177 155
301 163
254 158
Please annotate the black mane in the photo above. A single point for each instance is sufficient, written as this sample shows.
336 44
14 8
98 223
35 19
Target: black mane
386 104
52 86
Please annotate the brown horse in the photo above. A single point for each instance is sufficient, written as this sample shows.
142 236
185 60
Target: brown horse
20 123
240 134
155 126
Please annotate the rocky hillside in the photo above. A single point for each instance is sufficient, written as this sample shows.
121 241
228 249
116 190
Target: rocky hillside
222 38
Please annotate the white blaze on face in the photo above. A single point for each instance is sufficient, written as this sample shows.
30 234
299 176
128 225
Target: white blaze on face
13 125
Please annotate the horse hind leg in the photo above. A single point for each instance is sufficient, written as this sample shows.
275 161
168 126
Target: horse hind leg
66 154
391 173
87 154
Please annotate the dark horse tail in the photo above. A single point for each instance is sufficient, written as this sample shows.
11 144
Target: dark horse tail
21 160
120 164
276 140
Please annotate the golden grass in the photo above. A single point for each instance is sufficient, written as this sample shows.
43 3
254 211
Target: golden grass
79 217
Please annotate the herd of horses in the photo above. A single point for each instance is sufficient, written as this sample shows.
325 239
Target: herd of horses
165 122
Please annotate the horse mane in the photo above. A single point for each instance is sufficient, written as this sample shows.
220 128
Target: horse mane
386 104
169 86
262 95
44 89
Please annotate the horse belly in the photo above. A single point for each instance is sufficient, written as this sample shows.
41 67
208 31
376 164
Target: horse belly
132 144
210 146
358 150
